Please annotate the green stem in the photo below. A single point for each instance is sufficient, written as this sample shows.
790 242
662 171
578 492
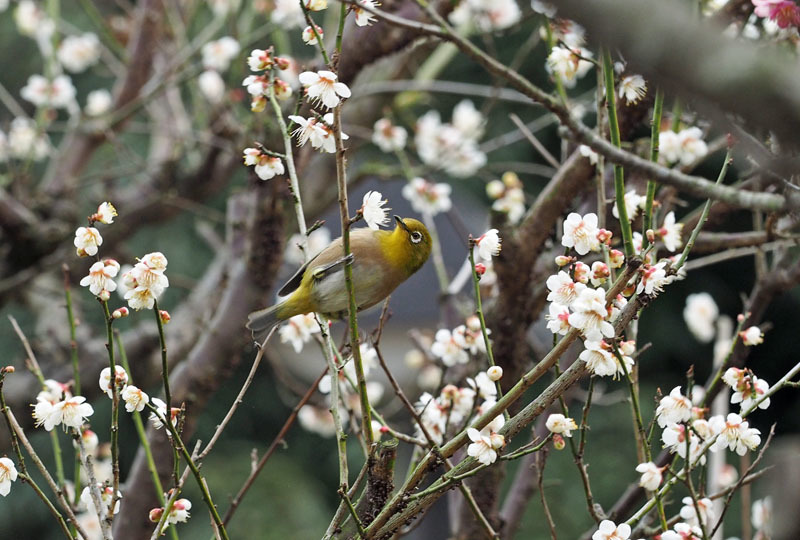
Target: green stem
114 408
655 131
164 363
313 26
619 180
479 310
704 214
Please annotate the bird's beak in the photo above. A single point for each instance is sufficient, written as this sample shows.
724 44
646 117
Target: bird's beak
401 223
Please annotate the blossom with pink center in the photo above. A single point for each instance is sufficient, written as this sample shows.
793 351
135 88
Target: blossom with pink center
428 197
484 447
651 475
71 413
674 408
590 314
489 245
265 166
752 336
387 136
562 289
8 474
558 319
784 12
448 349
121 379
364 17
670 233
323 86
580 232
609 530
309 37
298 330
87 240
734 433
101 277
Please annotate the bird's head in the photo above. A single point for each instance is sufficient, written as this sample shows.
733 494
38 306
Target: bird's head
411 243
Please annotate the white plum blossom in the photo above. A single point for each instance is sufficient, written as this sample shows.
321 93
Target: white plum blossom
654 279
265 166
316 420
448 349
106 497
558 319
287 14
543 8
375 215
146 281
747 388
105 214
560 424
601 361
632 88
590 313
484 447
752 336
322 86
761 515
298 330
32 21
309 38
180 511
101 277
217 54
562 289
223 7
488 244
105 379
70 412
689 513
487 15
609 530
320 134
427 197
734 433
670 233
674 408
25 141
8 474
76 53
685 147
700 314
683 531
452 146
161 407
87 240
211 86
98 102
364 17
53 391
588 153
512 203
633 201
651 475
470 338
495 373
674 438
389 137
569 66
135 398
580 232
58 93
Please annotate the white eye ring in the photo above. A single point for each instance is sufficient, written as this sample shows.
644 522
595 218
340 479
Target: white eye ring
416 237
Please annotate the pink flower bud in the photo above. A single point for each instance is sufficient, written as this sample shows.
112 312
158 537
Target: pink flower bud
604 236
119 313
563 260
600 270
104 295
582 272
495 373
282 63
480 269
739 317
558 442
651 236
258 104
616 258
8 369
165 318
155 514
384 429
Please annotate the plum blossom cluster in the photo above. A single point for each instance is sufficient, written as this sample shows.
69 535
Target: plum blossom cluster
486 15
265 165
455 407
426 197
146 281
685 147
747 388
135 398
88 239
784 13
23 142
685 428
264 83
217 57
508 196
452 146
454 347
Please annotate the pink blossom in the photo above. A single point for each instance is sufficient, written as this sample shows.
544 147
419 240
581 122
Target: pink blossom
784 12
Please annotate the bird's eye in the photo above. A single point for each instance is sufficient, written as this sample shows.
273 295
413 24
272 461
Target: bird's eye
416 237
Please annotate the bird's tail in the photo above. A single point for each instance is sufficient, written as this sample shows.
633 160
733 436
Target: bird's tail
261 322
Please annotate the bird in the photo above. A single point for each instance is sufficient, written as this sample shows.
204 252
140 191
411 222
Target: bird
381 260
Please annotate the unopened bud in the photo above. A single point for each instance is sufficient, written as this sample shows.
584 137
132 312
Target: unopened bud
495 189
582 272
495 373
282 89
511 180
604 236
616 258
564 260
119 313
104 295
155 514
8 369
651 236
258 104
600 271
165 318
282 63
558 442
480 269
739 317
629 289
81 253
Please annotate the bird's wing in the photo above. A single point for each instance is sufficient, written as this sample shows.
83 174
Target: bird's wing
318 273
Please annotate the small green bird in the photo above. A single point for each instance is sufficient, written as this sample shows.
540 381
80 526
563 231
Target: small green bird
381 261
